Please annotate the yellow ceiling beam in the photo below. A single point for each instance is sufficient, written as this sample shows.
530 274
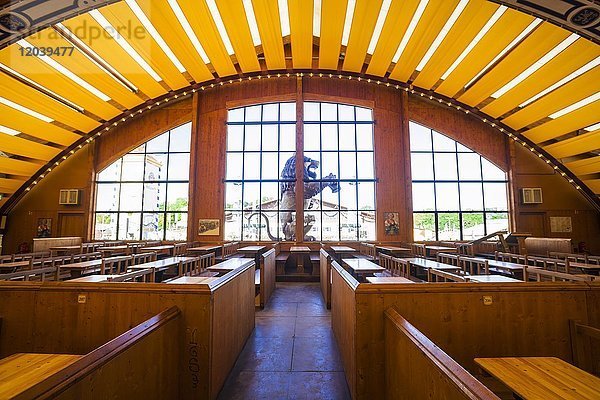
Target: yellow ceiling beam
504 31
593 184
266 13
11 166
301 32
235 20
575 145
363 24
433 19
91 33
10 185
330 42
578 119
119 14
398 19
32 126
585 167
471 20
568 61
570 93
26 148
541 41
200 19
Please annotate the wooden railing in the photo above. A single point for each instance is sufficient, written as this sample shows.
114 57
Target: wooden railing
97 361
415 368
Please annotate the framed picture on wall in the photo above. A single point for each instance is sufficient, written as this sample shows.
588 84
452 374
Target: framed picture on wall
44 227
209 227
391 223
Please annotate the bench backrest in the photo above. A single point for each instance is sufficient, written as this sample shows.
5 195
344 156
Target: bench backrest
418 249
552 264
400 267
146 275
582 258
583 338
143 258
474 266
435 275
39 274
540 274
197 265
230 249
450 259
510 257
179 249
115 265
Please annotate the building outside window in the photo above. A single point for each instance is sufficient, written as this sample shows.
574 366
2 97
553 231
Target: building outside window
457 193
144 194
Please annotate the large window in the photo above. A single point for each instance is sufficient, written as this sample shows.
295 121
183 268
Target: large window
457 194
144 194
338 181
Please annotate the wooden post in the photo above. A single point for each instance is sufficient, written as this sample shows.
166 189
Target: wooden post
299 187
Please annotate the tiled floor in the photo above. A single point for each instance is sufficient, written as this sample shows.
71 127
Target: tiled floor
292 353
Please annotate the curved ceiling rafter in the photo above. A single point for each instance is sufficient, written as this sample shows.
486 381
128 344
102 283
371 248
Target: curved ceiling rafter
515 136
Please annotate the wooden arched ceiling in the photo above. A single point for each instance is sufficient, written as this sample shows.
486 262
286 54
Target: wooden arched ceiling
531 76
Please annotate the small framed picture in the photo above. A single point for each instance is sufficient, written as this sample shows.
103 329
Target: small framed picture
44 227
209 227
391 223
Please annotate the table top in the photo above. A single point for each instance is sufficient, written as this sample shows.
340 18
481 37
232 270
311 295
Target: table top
58 248
193 280
427 264
82 264
113 248
158 248
392 248
343 249
32 368
300 249
162 264
361 265
388 279
542 377
251 249
491 279
12 265
93 278
230 264
509 266
205 248
440 248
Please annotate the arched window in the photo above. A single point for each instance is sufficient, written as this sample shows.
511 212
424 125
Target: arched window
457 193
339 176
144 194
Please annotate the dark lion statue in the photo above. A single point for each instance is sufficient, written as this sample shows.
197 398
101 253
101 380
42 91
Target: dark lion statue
287 202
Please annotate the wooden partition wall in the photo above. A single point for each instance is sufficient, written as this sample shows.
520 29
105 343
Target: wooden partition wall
523 319
75 318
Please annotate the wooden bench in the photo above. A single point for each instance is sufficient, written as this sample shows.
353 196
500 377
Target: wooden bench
39 274
228 250
146 275
266 277
435 275
115 265
197 265
474 266
450 259
581 344
143 258
540 275
510 257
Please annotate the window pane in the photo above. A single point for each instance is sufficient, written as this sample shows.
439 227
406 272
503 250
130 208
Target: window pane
495 196
312 137
111 173
347 165
131 197
347 137
253 113
270 112
469 167
287 137
129 226
423 197
424 226
328 112
251 226
364 137
181 138
346 112
234 166
106 226
443 143
252 166
269 195
496 222
367 226
269 166
330 225
233 225
348 196
473 227
235 115
177 196
420 137
283 159
445 167
141 149
316 157
329 137
252 138
366 196
349 225
270 228
176 226
314 220
251 195
471 196
491 172
287 112
311 112
364 114
448 226
179 167
107 197
235 138
270 137
329 164
152 226
133 167
154 196
156 167
366 167
233 196
421 166
447 196
159 144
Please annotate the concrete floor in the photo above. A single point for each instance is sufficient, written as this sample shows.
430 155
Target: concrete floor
292 353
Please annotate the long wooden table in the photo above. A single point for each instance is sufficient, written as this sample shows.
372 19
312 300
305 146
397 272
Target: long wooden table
81 268
300 252
587 268
204 249
361 266
388 279
545 378
254 252
507 267
491 279
193 280
393 250
431 251
229 265
93 278
160 266
21 371
164 249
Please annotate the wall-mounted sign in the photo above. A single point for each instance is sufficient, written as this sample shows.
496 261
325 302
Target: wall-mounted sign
208 227
561 224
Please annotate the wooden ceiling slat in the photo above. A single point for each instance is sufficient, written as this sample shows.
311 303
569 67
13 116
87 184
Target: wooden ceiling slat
593 184
166 23
34 127
435 16
10 185
396 23
17 167
26 148
586 166
578 119
330 42
301 32
504 31
363 24
534 47
577 145
200 19
266 13
574 91
468 25
119 14
568 61
106 47
235 20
